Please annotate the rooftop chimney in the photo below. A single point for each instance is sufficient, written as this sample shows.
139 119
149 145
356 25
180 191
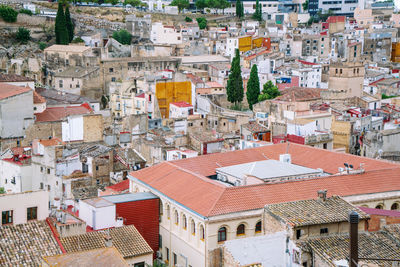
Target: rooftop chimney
108 241
322 194
353 220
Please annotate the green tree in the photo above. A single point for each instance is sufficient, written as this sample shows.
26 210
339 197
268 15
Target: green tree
187 19
253 87
23 35
181 4
77 40
69 24
201 4
222 4
60 29
133 3
8 14
113 2
305 5
2 191
258 13
234 88
123 36
238 8
25 11
42 45
212 3
202 22
104 101
270 91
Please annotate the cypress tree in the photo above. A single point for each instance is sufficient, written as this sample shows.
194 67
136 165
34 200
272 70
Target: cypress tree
70 26
60 26
234 89
238 6
241 10
258 13
253 87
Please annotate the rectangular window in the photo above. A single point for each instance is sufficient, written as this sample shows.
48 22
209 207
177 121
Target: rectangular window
175 259
31 213
7 217
60 83
298 234
41 185
160 241
167 252
113 79
323 231
139 264
48 171
110 70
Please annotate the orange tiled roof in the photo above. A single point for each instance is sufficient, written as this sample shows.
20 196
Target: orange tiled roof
184 180
8 90
51 142
59 113
38 99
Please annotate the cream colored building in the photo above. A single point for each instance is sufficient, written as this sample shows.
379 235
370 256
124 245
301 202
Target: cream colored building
23 207
198 214
347 78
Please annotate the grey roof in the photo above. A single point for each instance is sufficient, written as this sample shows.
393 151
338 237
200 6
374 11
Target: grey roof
98 202
267 169
55 97
76 72
129 197
94 150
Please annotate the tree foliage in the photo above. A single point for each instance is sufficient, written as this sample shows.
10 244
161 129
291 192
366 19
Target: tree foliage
23 35
234 88
25 11
253 87
258 13
123 36
42 45
2 191
187 19
305 5
239 9
201 4
181 4
69 24
202 22
270 91
62 36
77 40
133 3
8 14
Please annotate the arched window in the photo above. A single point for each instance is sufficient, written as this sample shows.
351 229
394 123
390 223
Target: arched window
379 206
161 209
222 234
193 227
258 227
240 230
176 217
168 212
184 222
202 234
395 206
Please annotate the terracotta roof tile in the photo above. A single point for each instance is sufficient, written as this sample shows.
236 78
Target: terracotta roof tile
8 90
38 99
26 244
299 94
181 104
14 78
255 127
126 239
391 213
51 142
59 113
314 211
185 180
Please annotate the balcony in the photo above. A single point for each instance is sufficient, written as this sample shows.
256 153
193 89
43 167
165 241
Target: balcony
318 138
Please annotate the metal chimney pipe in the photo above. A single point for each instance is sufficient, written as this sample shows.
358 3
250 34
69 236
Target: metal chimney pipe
353 220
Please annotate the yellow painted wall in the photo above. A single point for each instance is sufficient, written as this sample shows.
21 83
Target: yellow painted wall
169 92
257 42
341 134
395 52
245 44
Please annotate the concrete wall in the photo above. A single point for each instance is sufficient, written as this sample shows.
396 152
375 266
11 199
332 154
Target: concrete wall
104 216
21 173
16 114
19 203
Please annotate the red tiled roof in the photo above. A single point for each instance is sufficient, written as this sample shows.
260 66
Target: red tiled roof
14 78
214 85
307 63
293 94
185 181
8 90
59 113
140 95
122 186
370 211
334 19
182 104
51 142
38 99
195 79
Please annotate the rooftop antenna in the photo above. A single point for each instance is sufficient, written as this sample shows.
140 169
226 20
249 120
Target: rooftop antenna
264 156
219 165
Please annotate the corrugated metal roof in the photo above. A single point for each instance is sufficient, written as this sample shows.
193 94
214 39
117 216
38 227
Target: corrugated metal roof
121 198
